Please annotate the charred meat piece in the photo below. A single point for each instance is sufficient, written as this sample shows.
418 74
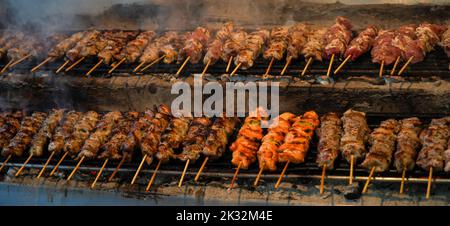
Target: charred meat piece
81 132
278 43
297 140
217 140
11 41
384 49
195 45
65 45
195 139
64 131
254 44
172 138
330 133
434 141
9 129
134 48
428 35
136 134
356 135
362 43
382 141
408 143
337 37
100 135
315 45
297 38
162 45
111 149
406 41
268 151
74 53
41 139
233 45
215 48
116 41
21 141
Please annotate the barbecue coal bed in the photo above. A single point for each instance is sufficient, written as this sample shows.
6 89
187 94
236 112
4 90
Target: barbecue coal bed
422 91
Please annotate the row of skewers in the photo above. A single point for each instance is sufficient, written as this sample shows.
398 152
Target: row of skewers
232 44
159 135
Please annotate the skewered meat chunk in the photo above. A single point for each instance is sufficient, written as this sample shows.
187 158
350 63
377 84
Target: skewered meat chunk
136 134
20 142
195 45
434 143
429 35
74 53
161 45
329 133
173 137
217 140
268 151
116 41
405 40
254 44
101 134
93 46
11 41
445 42
362 43
315 45
247 143
111 149
28 46
407 144
81 132
40 140
233 45
297 38
337 38
195 139
356 135
152 137
215 48
384 49
61 48
296 142
382 140
9 129
64 131
134 48
277 44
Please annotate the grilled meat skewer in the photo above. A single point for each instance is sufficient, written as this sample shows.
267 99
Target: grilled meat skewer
407 144
355 136
9 129
337 37
40 140
195 139
81 132
136 134
173 137
64 131
217 140
362 43
330 133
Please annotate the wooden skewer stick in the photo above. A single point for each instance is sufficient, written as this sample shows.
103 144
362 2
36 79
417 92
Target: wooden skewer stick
23 166
6 66
402 184
258 176
406 65
4 162
19 61
99 173
117 168
269 67
395 65
235 175
46 163
350 178
282 175
368 180
229 65
342 64
206 68
139 169
139 66
381 69
152 63
75 64
182 66
62 66
322 179
306 66
59 163
41 64
288 61
330 66
201 169
430 178
153 176
184 173
94 67
76 168
235 69
117 65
